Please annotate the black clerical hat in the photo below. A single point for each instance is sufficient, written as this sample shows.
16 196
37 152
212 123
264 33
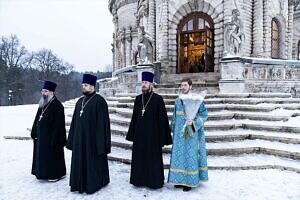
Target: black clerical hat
49 85
89 79
147 76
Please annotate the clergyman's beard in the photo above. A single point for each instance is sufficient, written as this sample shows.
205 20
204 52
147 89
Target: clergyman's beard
44 100
144 90
85 92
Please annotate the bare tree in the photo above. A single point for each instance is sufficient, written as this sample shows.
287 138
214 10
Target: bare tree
49 64
22 73
11 53
13 61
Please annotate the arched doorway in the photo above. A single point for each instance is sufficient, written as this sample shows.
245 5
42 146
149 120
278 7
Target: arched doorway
195 44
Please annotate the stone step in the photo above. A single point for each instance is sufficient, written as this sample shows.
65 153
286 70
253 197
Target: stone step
233 135
195 77
227 95
252 132
242 161
210 90
195 84
250 101
226 127
72 105
213 116
213 136
221 125
249 147
233 147
221 107
235 112
216 136
237 135
275 115
69 106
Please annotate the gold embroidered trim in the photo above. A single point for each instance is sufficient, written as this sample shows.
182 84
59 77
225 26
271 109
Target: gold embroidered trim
179 113
203 168
189 172
193 186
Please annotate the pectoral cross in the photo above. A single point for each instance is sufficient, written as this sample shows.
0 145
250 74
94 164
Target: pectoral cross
81 112
143 110
41 116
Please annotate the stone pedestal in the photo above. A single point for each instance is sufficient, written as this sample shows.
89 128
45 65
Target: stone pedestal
232 80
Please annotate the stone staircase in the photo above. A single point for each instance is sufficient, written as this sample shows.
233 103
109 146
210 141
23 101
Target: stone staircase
247 131
243 131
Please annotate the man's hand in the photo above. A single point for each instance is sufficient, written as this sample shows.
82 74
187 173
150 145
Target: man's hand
190 122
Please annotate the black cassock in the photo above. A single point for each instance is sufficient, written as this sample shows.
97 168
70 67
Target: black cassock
149 134
49 139
90 141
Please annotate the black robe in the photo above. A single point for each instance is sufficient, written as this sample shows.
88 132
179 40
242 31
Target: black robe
149 134
49 139
90 141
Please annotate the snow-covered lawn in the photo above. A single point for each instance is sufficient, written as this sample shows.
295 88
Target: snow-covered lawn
16 182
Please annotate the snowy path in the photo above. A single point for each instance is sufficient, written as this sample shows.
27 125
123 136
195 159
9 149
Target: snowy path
17 183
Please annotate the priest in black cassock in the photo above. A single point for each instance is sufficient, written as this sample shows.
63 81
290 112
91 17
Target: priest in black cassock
49 136
90 140
149 130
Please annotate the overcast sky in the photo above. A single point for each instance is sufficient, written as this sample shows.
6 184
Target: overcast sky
79 31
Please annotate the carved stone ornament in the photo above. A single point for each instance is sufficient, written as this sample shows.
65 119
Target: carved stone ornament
234 35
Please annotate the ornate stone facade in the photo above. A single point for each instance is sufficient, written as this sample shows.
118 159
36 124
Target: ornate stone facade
262 29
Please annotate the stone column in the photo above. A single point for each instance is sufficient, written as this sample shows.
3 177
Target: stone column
129 46
123 40
289 35
119 49
118 56
258 29
113 52
165 38
152 25
267 27
115 55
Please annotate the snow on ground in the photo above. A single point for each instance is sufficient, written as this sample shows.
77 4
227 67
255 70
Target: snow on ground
240 131
292 122
255 143
16 182
14 120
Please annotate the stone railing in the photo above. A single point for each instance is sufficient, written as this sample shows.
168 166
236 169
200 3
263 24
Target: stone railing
271 69
248 74
126 79
272 75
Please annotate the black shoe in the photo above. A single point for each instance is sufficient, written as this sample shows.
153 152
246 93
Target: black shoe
186 188
178 186
55 180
